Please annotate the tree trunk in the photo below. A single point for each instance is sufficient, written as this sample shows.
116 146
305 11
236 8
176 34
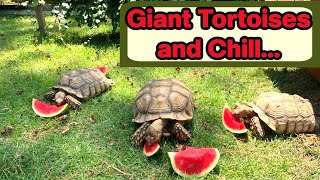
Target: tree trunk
41 19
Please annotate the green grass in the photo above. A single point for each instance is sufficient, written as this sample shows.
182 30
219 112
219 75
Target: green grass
37 149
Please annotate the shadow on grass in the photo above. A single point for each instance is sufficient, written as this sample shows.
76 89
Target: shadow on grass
100 40
15 30
296 82
242 137
76 35
19 161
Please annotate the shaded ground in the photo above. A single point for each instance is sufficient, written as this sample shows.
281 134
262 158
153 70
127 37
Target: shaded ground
296 81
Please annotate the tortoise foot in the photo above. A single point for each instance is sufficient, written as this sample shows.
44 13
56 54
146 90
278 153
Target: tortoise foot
138 136
180 132
257 127
73 102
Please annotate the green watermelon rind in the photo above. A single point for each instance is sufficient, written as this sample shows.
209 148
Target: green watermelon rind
148 154
235 131
204 172
61 111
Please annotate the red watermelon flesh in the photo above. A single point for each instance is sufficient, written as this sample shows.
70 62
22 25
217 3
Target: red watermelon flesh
232 123
103 69
47 110
194 161
150 150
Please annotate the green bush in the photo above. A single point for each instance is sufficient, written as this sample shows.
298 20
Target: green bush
89 12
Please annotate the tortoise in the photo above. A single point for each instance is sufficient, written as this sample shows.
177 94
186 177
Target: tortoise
276 112
79 85
162 106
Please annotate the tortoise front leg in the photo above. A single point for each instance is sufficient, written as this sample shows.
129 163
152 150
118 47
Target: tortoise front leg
181 133
73 102
257 127
50 95
138 136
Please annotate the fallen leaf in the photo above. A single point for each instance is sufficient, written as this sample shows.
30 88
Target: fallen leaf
225 144
73 123
89 173
206 126
309 139
36 131
62 118
65 130
121 171
111 142
47 55
5 109
222 178
7 130
92 119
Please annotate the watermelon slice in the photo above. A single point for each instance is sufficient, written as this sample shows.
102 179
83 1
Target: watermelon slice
232 123
103 69
47 110
150 150
194 161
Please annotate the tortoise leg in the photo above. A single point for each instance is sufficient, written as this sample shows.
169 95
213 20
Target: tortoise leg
257 127
138 137
73 102
50 95
180 132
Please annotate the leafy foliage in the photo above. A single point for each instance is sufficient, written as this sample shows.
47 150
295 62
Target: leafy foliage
85 12
90 12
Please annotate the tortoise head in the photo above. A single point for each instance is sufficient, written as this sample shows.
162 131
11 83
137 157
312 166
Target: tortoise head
110 82
152 135
60 98
242 111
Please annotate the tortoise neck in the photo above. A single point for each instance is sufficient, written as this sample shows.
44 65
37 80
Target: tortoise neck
159 124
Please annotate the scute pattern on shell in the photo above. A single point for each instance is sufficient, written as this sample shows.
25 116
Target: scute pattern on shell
164 98
83 83
285 113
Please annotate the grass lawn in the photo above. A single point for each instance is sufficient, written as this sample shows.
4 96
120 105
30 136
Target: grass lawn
77 148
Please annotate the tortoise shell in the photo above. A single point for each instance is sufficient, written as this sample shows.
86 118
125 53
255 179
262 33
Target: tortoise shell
165 99
84 83
285 113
